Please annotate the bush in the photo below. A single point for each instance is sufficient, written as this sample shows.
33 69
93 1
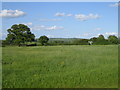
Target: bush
81 42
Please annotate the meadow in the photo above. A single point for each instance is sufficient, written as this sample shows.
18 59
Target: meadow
74 66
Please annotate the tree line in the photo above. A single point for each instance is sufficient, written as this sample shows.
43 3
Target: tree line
20 34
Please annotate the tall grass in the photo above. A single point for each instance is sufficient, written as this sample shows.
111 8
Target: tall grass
60 67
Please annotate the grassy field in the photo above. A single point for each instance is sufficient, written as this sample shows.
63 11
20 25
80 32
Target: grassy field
60 66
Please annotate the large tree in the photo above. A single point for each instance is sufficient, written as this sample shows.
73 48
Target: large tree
19 33
101 38
94 39
43 40
113 39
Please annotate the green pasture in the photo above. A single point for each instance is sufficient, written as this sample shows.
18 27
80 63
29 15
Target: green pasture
75 66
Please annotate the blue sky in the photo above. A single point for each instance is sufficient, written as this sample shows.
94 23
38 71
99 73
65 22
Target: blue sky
62 19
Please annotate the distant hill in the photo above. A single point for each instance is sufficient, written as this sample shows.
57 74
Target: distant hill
63 39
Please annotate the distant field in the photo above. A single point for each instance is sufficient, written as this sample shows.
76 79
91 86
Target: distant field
60 66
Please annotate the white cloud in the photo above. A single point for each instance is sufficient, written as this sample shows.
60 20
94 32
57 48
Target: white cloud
60 14
111 33
115 5
11 13
50 19
69 15
99 34
105 34
86 34
83 17
90 35
42 27
63 14
54 28
50 36
28 24
98 29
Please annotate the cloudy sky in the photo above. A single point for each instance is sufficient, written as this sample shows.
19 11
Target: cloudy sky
62 19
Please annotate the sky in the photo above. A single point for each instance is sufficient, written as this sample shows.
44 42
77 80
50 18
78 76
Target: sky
62 19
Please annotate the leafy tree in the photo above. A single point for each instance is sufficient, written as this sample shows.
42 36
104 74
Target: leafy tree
94 39
113 39
43 40
101 38
19 33
81 42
